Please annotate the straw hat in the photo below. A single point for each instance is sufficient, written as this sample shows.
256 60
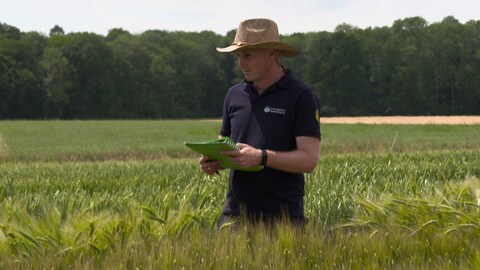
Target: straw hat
259 33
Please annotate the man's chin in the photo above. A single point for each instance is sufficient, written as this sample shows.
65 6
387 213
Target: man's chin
247 77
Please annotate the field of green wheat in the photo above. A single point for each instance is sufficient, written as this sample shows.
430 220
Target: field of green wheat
129 195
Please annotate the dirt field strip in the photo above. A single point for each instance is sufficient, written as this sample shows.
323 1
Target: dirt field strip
406 120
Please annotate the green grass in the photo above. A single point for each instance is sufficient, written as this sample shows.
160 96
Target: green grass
100 140
114 202
398 138
140 139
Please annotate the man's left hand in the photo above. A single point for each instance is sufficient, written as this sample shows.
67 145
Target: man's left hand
246 157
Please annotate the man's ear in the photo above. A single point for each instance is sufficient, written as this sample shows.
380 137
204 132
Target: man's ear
273 54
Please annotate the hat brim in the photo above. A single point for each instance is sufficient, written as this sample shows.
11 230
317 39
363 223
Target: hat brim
284 49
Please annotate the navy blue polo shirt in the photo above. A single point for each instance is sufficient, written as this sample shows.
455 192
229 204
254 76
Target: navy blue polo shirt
270 120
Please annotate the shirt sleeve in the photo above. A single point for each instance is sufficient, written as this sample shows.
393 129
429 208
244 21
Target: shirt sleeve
307 116
226 126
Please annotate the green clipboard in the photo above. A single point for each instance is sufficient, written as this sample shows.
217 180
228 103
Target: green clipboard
212 149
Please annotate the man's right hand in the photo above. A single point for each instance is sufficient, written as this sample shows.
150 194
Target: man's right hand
210 167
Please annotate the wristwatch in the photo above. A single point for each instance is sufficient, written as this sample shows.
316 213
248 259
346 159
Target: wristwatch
264 157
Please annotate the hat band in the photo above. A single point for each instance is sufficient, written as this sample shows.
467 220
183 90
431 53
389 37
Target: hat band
240 43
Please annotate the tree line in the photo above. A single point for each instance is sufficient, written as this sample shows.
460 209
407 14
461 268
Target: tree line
409 68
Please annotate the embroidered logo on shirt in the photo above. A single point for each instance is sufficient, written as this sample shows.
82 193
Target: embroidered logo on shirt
269 109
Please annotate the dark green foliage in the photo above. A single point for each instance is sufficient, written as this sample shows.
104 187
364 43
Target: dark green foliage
410 68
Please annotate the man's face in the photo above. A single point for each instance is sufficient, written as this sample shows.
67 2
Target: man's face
254 63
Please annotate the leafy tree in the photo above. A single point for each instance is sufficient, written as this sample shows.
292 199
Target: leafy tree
380 52
56 30
319 70
410 67
20 90
406 98
93 94
336 71
132 75
297 64
446 49
468 81
57 82
115 33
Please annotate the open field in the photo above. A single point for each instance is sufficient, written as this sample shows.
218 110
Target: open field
63 141
405 120
127 194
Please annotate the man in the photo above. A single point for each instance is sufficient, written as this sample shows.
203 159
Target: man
274 119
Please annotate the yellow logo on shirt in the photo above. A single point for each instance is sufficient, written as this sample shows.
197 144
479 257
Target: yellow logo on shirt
317 115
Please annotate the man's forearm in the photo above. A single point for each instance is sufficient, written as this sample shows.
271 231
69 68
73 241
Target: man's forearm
296 161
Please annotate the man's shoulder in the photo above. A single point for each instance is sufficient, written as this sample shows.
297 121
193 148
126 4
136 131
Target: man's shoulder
293 82
237 88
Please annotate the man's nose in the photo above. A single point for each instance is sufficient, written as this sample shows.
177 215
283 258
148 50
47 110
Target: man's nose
241 62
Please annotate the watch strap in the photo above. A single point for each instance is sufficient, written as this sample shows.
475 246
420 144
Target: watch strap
264 157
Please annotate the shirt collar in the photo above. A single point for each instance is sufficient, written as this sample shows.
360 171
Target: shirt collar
280 84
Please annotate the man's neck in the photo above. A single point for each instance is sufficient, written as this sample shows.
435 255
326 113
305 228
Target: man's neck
275 75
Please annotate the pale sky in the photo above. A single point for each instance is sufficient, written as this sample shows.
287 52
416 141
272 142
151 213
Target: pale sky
292 16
